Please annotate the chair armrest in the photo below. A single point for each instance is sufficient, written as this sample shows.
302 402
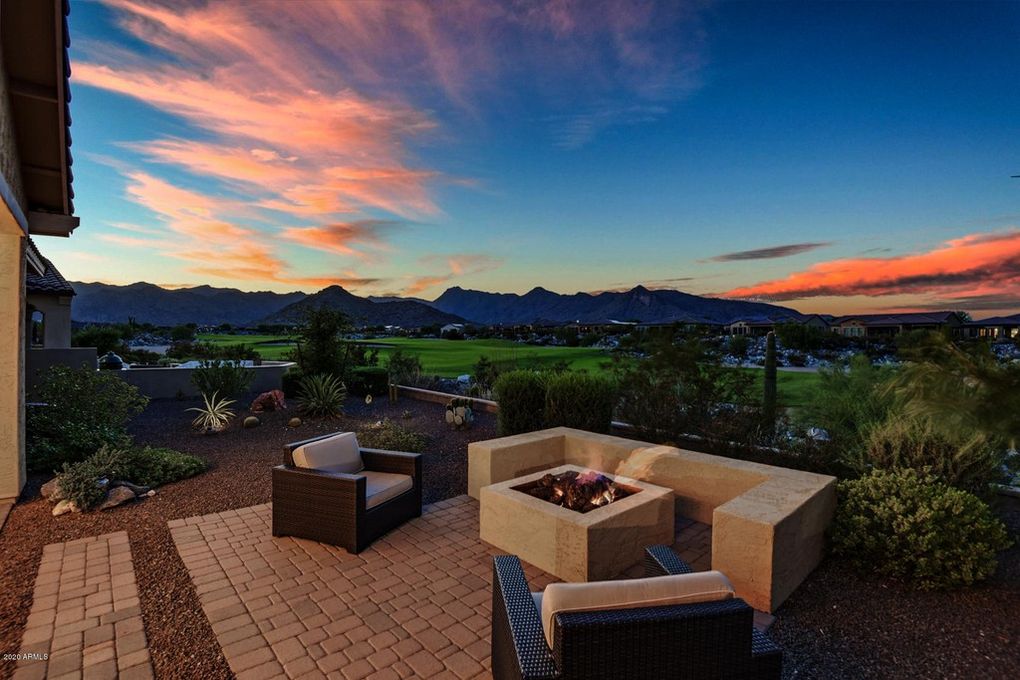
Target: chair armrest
660 560
519 649
399 462
318 488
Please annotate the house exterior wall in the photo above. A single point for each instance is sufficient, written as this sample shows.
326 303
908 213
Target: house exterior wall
56 311
12 306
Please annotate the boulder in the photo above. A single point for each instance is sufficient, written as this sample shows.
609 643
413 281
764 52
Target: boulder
63 507
250 422
50 490
269 401
116 496
294 422
139 490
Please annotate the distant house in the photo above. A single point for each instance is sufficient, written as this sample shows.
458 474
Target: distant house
48 303
753 327
451 329
889 325
994 328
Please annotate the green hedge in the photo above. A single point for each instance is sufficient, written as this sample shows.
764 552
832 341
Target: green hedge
579 400
521 396
372 380
909 525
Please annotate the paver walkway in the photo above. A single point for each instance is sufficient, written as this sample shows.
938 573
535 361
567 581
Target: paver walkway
85 619
416 603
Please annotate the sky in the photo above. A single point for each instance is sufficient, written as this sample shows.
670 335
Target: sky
831 157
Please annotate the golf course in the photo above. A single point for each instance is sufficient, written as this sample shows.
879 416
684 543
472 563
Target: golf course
452 358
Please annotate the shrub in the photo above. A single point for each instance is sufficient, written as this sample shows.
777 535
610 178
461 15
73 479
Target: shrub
291 382
907 524
372 380
485 372
967 460
79 482
84 409
521 396
321 395
580 400
848 402
214 415
403 368
154 466
392 436
227 378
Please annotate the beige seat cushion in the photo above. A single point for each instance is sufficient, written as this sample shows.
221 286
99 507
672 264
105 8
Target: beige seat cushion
382 486
339 453
658 591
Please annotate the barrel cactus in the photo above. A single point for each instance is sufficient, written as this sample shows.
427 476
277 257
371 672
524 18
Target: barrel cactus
459 413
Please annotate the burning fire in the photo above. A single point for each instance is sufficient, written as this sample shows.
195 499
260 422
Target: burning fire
581 492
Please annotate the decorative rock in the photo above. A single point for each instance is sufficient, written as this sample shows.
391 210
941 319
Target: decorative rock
150 493
116 496
294 422
63 507
269 401
251 421
139 490
50 490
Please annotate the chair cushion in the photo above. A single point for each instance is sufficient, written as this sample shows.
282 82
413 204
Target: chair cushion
657 591
382 486
339 453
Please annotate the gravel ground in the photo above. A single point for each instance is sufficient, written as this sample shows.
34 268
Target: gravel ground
180 639
837 624
840 625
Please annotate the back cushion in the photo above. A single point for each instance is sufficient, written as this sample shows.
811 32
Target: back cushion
339 453
658 591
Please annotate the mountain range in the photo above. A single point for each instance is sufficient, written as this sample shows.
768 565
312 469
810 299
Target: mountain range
205 305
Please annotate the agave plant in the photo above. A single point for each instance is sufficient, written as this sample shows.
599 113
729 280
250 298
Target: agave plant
214 416
321 395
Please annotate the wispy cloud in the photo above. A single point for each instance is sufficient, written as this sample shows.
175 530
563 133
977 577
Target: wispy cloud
769 253
961 270
460 264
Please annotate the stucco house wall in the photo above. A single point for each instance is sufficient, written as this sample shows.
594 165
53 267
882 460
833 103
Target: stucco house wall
12 306
56 311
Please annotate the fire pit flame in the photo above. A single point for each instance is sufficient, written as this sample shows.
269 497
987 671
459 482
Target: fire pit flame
581 492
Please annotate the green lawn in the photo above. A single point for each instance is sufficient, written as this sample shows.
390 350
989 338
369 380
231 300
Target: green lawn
795 388
451 358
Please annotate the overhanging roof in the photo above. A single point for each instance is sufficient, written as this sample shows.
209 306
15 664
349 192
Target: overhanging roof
35 38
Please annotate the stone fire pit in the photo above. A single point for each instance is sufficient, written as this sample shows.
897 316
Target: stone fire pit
593 545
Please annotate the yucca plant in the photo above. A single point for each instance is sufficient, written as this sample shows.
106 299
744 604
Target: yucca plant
321 395
214 416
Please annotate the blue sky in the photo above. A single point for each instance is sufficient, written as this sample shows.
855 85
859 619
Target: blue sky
831 156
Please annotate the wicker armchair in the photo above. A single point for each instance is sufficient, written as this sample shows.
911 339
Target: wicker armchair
333 507
705 641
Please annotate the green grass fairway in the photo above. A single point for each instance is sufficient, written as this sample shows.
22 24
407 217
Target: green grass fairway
451 358
795 387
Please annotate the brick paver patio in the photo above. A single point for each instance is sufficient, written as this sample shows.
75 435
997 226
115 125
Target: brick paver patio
417 603
85 619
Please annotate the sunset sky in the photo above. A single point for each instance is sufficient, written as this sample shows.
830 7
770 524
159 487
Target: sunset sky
831 157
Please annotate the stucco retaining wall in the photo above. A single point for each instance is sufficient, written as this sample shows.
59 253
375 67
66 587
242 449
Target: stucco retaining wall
768 522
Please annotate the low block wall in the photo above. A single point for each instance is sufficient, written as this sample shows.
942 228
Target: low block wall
768 522
169 383
39 359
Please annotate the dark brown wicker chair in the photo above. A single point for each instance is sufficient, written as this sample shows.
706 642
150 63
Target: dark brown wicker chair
706 641
329 507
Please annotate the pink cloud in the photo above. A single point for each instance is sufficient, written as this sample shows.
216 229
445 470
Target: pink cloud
971 267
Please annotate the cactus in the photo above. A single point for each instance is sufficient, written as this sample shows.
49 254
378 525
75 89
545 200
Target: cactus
769 401
459 413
